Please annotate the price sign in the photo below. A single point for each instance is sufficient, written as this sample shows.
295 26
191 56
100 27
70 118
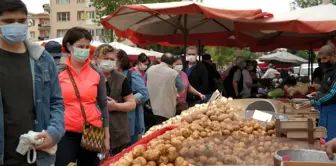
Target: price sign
262 116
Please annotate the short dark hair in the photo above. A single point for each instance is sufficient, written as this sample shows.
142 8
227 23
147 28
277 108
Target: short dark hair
73 35
142 58
125 62
206 57
168 58
12 6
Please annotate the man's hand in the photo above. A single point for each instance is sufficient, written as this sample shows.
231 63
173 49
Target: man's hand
111 103
47 141
330 148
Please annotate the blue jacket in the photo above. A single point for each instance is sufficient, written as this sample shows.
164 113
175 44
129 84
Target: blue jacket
48 101
136 117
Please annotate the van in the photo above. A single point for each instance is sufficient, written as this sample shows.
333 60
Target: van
304 69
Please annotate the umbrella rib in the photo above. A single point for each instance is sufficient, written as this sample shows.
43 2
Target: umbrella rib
205 20
144 19
179 22
168 22
223 26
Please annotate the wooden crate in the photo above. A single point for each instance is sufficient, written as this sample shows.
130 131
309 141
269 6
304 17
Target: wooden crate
301 129
292 163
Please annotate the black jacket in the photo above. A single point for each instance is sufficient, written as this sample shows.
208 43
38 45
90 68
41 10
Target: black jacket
228 86
198 79
212 75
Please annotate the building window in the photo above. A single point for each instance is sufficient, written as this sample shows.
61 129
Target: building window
99 32
91 15
62 1
80 1
82 15
63 16
92 31
32 34
61 32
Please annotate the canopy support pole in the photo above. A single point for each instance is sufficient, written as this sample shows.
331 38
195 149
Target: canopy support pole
185 34
311 65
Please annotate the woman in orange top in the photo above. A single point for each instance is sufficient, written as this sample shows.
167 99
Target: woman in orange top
91 86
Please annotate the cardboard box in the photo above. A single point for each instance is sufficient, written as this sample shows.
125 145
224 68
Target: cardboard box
291 163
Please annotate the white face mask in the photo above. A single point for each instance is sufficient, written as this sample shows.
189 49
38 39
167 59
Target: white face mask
107 65
142 67
178 68
191 58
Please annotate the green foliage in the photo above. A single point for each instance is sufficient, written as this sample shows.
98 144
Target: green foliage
107 7
222 55
307 3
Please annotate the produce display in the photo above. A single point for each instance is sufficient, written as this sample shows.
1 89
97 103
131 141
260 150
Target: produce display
278 92
300 88
212 134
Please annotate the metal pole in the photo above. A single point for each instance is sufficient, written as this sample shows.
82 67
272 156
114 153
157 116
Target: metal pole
185 34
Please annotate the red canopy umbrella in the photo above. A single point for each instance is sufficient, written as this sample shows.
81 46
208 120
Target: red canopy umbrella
306 28
173 23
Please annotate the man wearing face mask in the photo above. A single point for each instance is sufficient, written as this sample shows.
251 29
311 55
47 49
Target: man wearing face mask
234 82
30 92
55 50
197 75
164 84
324 100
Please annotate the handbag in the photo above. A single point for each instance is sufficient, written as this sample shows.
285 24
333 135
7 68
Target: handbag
92 137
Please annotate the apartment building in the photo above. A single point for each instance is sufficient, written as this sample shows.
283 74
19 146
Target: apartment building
65 14
39 26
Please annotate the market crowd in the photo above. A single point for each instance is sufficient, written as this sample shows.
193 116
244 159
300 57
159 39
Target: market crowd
58 109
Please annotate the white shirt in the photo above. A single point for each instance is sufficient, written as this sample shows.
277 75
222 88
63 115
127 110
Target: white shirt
270 73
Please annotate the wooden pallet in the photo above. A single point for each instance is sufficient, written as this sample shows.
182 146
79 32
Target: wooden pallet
301 129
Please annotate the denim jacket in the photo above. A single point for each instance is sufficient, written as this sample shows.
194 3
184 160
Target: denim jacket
48 100
136 117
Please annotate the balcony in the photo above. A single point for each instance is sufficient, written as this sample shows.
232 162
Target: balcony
44 26
40 38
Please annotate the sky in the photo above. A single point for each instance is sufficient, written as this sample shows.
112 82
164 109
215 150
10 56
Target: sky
272 6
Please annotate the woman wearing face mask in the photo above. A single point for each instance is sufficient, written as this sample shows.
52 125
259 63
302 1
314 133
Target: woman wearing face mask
141 65
135 117
325 99
120 99
78 73
181 100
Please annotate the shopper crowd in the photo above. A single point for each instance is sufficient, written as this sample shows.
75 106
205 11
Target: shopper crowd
95 105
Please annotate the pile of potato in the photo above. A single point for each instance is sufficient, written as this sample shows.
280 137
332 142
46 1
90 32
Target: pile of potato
203 130
232 150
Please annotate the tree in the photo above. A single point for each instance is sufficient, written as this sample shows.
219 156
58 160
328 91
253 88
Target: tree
307 3
106 7
222 55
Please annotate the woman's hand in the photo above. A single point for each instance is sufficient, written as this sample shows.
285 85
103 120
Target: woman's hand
111 104
314 95
201 96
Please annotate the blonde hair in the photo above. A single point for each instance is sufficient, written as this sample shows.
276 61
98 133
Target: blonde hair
102 50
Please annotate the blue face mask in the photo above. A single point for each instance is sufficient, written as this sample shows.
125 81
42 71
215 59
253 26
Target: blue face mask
14 33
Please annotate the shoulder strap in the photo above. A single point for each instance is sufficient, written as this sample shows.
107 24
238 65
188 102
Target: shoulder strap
129 77
76 92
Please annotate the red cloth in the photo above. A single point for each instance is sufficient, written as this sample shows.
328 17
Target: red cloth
144 141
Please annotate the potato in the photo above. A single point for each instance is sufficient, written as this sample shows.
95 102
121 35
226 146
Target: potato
124 162
138 150
163 160
140 161
152 155
151 163
203 159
